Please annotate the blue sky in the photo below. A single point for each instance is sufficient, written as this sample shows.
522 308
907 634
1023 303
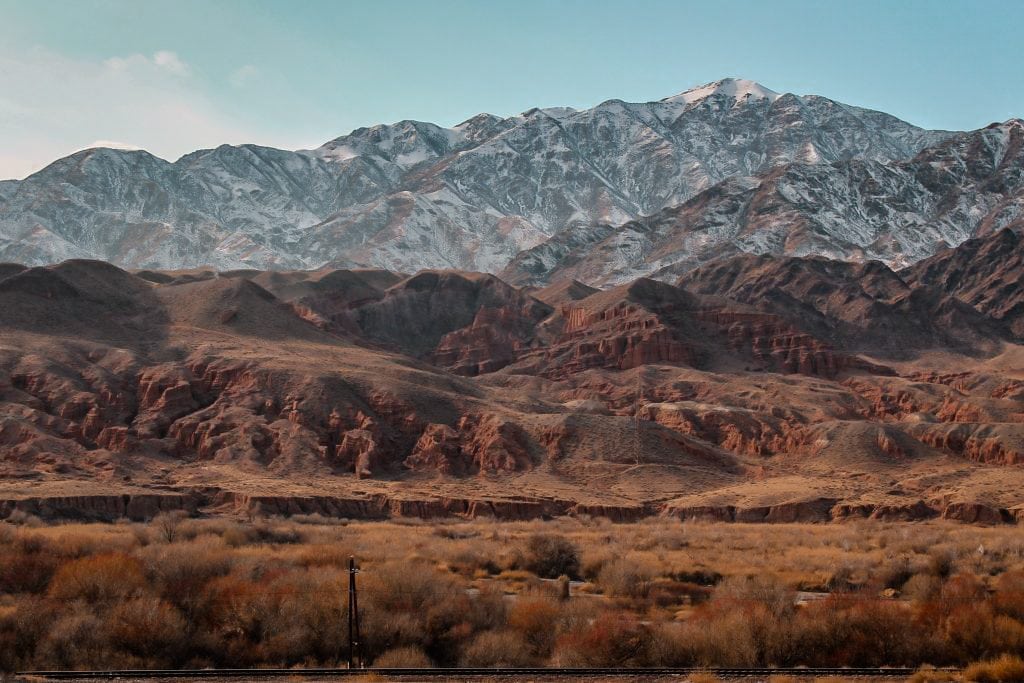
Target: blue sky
174 76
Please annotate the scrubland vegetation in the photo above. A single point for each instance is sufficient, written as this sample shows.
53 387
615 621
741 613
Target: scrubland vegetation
226 593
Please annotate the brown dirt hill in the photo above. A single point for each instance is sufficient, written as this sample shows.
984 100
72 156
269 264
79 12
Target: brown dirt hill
467 322
985 272
214 393
859 307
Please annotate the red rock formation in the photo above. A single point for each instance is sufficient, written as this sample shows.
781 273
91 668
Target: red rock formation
977 513
1001 444
439 449
734 429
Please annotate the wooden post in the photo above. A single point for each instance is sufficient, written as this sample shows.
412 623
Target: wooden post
353 628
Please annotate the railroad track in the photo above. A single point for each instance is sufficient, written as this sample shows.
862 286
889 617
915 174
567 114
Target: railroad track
893 672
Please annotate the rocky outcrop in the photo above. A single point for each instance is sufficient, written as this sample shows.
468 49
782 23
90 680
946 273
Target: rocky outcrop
1000 444
977 513
439 449
134 506
478 444
735 429
888 511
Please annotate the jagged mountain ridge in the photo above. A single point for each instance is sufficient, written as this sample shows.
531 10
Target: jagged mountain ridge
414 195
898 212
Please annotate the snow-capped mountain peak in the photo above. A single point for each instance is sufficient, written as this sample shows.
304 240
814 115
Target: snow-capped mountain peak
746 167
736 88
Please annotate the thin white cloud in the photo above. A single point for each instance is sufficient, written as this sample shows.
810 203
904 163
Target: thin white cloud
165 59
244 75
52 106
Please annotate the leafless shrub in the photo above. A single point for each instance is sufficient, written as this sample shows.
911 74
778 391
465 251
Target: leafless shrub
497 650
549 556
626 578
1001 670
99 578
168 523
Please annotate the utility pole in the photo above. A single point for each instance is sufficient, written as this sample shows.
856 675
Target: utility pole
636 411
354 651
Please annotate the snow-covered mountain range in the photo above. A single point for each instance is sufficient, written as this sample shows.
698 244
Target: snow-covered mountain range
603 194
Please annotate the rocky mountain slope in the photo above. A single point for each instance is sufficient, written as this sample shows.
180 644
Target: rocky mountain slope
758 388
853 209
414 195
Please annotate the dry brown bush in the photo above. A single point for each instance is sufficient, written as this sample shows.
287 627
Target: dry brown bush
1009 595
739 592
269 601
549 556
626 578
497 650
1000 670
535 619
613 639
594 559
99 578
167 524
151 631
308 622
22 629
75 641
929 674
26 565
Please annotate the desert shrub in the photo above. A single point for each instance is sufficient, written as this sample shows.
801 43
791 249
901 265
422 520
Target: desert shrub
1009 595
26 566
74 641
150 630
511 558
626 578
308 622
179 572
167 525
403 658
549 556
407 586
535 618
25 519
260 533
1001 670
497 650
488 610
880 633
896 572
929 674
739 592
701 577
239 610
922 587
383 631
324 555
723 639
962 589
665 647
413 604
98 578
940 564
612 640
22 628
593 560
